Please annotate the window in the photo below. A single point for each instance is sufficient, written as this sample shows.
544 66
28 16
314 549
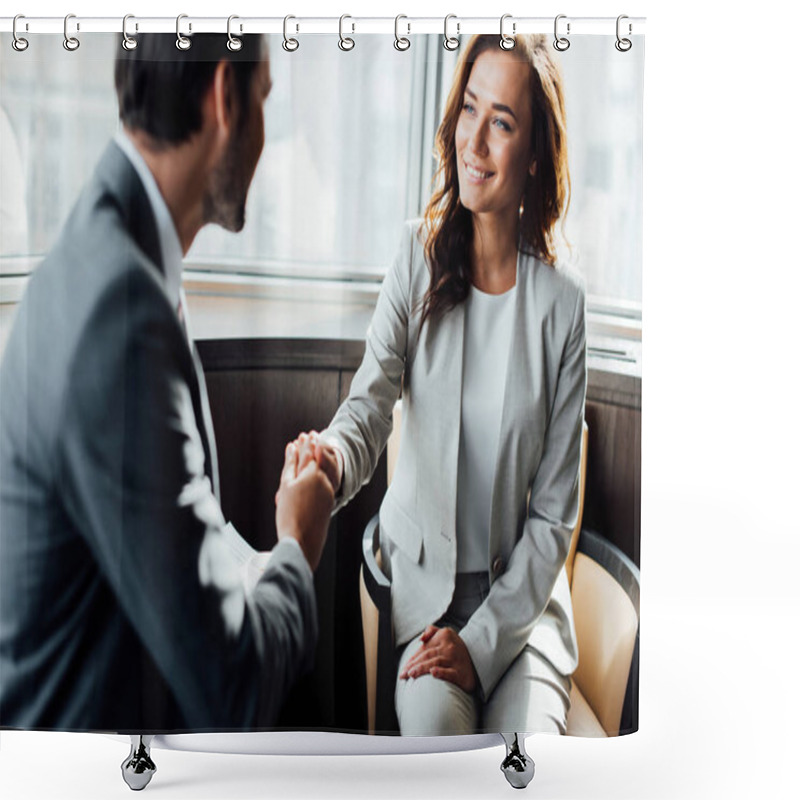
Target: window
332 187
348 156
603 90
58 110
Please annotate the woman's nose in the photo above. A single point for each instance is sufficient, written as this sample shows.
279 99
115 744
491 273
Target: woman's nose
477 142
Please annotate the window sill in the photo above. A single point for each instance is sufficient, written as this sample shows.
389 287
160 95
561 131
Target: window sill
225 306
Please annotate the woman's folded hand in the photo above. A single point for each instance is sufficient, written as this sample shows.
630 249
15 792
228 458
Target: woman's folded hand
444 655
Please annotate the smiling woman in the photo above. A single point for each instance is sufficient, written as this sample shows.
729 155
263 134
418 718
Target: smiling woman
503 175
487 338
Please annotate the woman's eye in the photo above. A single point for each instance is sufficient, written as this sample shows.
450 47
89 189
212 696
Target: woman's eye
502 124
468 107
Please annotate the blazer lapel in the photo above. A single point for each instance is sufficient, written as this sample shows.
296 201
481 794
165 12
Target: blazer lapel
449 347
200 401
516 390
205 422
121 180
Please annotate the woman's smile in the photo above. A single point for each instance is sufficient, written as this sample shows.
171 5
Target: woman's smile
475 174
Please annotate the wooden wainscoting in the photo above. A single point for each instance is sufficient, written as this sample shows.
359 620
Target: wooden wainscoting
614 463
262 394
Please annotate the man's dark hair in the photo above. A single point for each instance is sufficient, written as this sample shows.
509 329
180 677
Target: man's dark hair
160 88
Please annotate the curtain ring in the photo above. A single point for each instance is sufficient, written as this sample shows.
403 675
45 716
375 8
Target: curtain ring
561 43
234 44
289 44
71 43
18 43
507 42
623 45
401 42
128 42
182 43
345 42
451 42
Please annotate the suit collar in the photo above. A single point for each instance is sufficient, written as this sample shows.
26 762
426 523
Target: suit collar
118 178
171 250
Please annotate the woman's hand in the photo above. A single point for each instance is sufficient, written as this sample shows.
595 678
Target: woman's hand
444 655
303 506
311 447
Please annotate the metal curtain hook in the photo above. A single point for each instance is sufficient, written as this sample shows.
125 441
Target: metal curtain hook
128 42
507 42
234 44
18 43
401 42
345 42
561 43
289 44
71 43
623 45
451 42
182 43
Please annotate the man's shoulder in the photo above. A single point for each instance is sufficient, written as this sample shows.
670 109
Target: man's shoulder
95 289
94 260
110 229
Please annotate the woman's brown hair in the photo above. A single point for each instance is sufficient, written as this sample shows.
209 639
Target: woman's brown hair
448 225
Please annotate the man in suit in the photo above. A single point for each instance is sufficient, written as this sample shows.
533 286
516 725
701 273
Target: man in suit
121 605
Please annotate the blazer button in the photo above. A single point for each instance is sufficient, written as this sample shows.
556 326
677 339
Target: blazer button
497 566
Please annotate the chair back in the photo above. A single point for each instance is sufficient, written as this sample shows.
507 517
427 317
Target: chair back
376 622
605 603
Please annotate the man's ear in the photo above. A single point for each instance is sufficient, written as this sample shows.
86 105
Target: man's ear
220 99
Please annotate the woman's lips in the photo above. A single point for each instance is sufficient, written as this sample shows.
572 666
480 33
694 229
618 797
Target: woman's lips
477 175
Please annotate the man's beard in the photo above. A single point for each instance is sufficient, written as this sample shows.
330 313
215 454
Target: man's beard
224 201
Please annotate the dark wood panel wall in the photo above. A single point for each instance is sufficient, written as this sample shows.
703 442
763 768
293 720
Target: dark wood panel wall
262 395
614 460
264 392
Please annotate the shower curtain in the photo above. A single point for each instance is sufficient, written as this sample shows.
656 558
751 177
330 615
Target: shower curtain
148 579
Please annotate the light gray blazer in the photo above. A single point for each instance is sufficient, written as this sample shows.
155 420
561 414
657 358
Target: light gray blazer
535 496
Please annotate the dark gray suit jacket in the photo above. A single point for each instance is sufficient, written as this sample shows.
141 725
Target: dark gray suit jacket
121 608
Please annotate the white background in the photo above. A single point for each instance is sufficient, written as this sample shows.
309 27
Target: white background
720 697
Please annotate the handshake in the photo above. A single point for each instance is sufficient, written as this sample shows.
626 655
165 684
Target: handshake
311 477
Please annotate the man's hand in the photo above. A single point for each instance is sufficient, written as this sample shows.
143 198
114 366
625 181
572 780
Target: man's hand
444 655
304 503
312 447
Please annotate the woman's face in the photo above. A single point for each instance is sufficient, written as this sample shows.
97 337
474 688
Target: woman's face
493 135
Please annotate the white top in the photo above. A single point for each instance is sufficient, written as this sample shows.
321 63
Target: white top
171 250
488 322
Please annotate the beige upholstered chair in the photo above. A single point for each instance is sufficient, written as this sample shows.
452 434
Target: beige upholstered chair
605 593
605 603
